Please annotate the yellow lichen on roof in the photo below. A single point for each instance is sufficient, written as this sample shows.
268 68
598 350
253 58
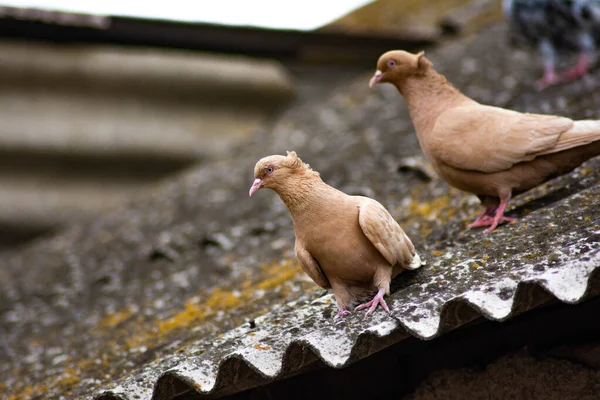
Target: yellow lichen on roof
196 311
60 383
279 273
129 330
431 209
26 392
426 210
441 208
68 379
29 391
114 319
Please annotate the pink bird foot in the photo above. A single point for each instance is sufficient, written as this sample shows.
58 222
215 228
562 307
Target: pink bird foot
485 218
372 305
499 221
578 71
482 220
499 218
342 312
493 216
487 221
550 78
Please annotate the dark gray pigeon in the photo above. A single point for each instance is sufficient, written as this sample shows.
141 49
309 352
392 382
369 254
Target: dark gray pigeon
557 27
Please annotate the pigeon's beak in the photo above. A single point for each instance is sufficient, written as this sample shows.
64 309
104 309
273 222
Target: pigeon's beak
375 79
255 186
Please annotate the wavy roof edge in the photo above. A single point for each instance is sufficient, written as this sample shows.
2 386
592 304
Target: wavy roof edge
250 366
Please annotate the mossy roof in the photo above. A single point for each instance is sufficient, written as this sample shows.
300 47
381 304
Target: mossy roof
193 285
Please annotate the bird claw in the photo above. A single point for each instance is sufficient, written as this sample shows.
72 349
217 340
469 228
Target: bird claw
342 312
487 221
372 305
494 224
482 220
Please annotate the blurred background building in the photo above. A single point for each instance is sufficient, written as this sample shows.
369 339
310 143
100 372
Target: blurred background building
97 103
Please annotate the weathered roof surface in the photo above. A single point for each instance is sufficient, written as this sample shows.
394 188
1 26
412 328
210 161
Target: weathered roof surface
292 337
432 17
193 286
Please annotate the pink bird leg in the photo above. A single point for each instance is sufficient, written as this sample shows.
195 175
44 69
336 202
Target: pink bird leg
372 305
579 70
550 78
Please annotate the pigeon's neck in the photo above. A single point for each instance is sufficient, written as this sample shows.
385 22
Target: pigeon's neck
300 193
427 96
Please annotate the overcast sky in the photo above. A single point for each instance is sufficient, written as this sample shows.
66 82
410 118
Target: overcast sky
300 14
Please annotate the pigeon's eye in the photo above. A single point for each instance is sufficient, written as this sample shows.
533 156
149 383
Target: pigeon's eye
269 170
391 63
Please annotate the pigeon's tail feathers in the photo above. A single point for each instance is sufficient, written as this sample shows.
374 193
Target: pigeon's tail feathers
582 133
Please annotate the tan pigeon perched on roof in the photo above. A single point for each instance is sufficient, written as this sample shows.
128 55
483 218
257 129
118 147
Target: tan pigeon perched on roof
491 152
350 244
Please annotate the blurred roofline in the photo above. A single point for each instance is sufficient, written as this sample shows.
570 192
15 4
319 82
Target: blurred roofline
287 45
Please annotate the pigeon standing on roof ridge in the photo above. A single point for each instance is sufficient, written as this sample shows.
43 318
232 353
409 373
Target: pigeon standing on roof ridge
555 27
350 244
491 152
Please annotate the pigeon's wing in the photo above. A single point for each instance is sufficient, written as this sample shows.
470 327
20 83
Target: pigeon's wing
311 266
385 234
491 139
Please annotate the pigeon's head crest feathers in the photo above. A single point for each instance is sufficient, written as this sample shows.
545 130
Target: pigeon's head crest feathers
291 162
273 171
396 65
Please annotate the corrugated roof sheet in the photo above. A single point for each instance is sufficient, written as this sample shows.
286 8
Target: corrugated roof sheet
169 282
451 291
